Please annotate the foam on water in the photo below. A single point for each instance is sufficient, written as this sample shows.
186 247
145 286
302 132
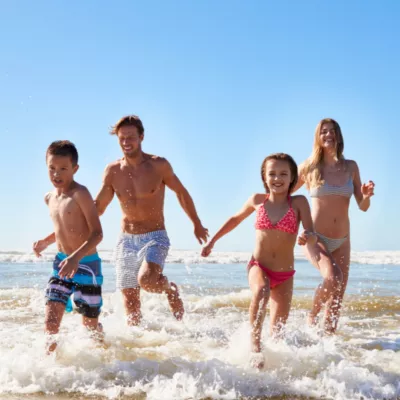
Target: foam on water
193 257
207 355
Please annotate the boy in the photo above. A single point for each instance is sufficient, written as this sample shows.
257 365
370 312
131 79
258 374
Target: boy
77 231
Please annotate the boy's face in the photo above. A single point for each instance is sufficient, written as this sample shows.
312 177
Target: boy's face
61 170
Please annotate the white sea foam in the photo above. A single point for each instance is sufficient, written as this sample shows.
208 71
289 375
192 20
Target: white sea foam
219 257
205 356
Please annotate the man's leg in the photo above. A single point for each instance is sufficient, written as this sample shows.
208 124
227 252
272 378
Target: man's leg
152 280
127 268
132 305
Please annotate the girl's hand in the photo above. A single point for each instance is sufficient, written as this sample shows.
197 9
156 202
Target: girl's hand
207 249
367 189
307 237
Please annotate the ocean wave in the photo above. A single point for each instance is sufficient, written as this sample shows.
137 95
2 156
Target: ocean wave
219 257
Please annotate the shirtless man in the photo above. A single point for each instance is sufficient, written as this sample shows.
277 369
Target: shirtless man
139 179
77 231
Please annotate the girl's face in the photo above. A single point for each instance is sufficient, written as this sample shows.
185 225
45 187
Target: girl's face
278 176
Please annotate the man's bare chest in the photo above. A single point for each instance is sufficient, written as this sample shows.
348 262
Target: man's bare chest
138 185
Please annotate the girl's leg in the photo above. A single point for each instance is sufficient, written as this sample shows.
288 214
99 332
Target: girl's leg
259 286
341 258
332 275
280 302
53 316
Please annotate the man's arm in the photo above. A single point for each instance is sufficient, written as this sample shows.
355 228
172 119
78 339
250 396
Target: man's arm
185 200
106 193
69 266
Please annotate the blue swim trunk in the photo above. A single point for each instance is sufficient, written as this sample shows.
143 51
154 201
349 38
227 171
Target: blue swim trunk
85 286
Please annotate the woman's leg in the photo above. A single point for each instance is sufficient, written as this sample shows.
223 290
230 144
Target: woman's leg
330 286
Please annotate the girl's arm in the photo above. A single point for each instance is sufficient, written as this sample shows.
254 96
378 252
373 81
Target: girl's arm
308 235
362 192
230 225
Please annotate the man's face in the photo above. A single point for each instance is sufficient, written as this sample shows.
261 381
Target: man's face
130 140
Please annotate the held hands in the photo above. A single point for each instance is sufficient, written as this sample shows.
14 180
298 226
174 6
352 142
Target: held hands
39 246
367 189
307 237
68 268
201 233
207 249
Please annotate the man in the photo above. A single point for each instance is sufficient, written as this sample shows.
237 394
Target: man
139 179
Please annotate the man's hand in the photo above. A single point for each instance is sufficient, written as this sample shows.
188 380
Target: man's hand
207 249
68 268
39 246
201 233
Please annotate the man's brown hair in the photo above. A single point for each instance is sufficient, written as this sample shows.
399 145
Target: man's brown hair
128 120
63 148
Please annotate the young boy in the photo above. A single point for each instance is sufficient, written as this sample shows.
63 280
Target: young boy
77 231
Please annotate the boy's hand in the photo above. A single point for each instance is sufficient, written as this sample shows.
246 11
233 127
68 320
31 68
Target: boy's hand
68 268
39 246
307 237
207 249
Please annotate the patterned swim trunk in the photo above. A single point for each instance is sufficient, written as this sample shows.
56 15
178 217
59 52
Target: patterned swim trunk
85 286
132 250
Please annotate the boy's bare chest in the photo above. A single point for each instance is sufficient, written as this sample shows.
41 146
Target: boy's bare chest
64 208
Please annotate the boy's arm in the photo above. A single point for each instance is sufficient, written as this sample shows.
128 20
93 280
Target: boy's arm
69 266
85 201
185 200
230 224
106 194
42 244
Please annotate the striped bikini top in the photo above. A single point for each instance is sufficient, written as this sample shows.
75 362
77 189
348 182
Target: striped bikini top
288 223
345 190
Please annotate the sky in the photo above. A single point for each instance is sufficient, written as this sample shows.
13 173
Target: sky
219 85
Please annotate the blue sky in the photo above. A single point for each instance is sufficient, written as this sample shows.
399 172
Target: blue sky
218 84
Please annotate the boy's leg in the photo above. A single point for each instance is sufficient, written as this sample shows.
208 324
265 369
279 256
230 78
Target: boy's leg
53 316
57 294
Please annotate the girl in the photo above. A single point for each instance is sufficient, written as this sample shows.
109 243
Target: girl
270 270
331 181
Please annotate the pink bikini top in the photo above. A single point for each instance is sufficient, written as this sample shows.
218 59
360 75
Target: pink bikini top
288 223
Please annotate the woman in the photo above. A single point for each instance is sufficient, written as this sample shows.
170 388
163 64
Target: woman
331 181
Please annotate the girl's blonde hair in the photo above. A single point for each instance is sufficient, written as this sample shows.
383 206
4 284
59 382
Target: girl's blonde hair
312 168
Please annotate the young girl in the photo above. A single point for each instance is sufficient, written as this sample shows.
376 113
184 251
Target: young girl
270 270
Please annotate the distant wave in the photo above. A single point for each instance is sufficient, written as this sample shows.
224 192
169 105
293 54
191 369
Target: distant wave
218 257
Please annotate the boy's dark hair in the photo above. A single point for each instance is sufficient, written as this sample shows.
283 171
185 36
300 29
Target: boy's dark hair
292 167
128 120
63 148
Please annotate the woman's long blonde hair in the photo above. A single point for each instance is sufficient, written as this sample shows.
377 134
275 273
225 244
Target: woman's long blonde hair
312 169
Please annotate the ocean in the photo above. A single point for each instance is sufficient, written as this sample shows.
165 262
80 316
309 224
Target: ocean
206 356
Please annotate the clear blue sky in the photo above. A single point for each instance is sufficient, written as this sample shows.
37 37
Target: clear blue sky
218 84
